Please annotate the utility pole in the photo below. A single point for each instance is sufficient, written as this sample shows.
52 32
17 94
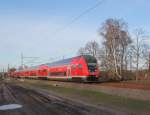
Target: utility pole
21 59
149 62
63 57
24 58
8 68
3 74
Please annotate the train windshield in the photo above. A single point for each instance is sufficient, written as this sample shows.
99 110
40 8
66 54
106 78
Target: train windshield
91 62
90 59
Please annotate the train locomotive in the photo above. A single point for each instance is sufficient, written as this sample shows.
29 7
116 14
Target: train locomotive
79 68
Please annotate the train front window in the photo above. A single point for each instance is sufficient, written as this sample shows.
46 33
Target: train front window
90 59
91 62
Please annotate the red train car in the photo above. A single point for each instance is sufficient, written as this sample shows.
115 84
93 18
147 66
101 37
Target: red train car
82 67
42 71
33 73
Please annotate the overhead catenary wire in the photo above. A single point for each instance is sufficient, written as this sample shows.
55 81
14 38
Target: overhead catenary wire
65 26
78 17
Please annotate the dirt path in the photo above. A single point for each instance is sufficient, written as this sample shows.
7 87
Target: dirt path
35 103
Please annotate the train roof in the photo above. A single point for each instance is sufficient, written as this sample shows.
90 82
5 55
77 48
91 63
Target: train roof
60 62
63 61
68 60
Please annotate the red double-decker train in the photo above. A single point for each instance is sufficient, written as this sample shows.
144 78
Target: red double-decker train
82 67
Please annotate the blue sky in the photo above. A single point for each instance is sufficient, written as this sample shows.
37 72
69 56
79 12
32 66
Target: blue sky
28 26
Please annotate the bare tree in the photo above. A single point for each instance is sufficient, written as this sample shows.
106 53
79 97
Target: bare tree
139 50
91 48
81 51
146 56
116 41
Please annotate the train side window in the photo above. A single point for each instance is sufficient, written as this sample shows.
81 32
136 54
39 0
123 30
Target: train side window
73 66
58 74
44 70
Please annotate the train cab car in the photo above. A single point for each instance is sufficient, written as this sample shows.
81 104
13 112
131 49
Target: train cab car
82 67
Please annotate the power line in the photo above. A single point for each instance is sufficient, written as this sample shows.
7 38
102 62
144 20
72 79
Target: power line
78 17
63 28
30 61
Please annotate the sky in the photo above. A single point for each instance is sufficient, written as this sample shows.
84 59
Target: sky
31 27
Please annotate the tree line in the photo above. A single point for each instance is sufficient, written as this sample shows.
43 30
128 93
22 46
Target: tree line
120 49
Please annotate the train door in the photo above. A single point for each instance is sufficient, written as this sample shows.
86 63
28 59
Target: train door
68 71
